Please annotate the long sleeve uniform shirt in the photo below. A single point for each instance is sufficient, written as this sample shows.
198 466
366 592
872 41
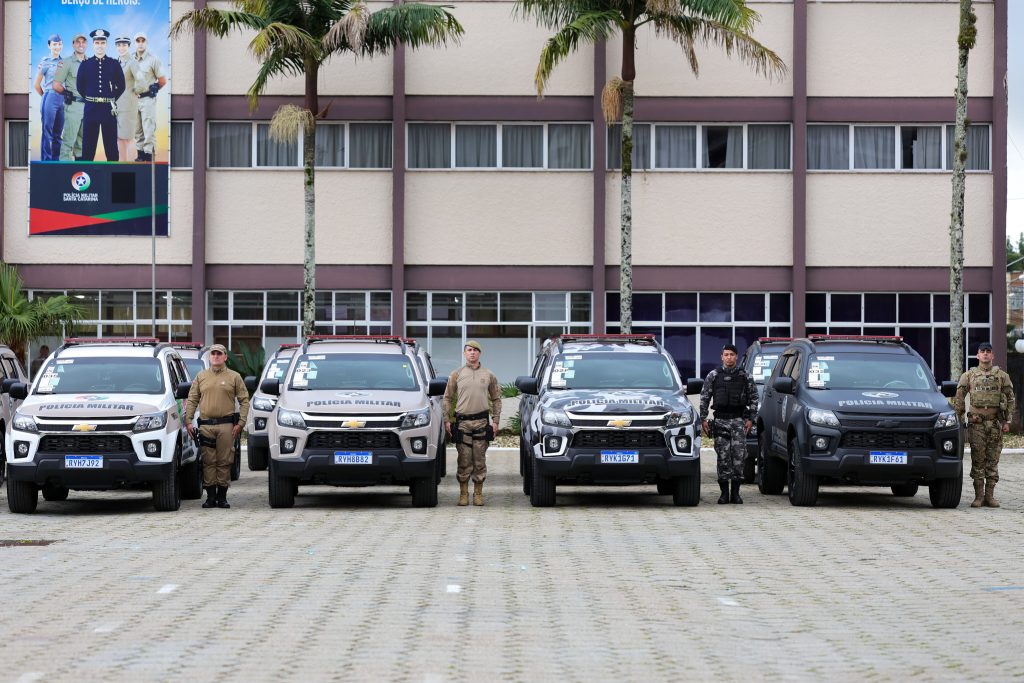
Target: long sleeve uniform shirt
214 392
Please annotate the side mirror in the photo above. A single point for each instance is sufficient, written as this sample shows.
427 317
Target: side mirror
436 387
6 385
694 385
271 386
527 385
182 390
948 389
784 385
250 384
18 391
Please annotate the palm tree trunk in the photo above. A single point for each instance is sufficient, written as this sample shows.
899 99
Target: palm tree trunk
626 187
309 204
965 41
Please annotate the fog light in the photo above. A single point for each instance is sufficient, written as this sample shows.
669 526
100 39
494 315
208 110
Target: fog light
821 443
948 445
419 445
261 423
152 448
683 443
287 445
552 444
21 449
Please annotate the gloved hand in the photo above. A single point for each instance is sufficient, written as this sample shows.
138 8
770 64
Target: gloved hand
68 97
154 88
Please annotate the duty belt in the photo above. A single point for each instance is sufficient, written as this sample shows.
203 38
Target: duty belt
227 419
108 100
473 416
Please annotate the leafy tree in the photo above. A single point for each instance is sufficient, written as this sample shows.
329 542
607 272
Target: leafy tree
22 320
689 23
297 39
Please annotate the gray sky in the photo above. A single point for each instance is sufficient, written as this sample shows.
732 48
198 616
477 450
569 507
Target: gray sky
1015 138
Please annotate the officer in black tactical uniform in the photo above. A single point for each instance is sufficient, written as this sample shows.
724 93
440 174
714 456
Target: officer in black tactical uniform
735 403
101 82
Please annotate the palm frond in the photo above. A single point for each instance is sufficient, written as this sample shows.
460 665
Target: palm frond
413 24
349 32
217 22
587 28
554 14
278 36
276 64
688 30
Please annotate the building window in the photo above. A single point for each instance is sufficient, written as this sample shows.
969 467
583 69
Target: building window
430 145
476 146
275 153
17 144
675 146
230 145
879 147
723 146
338 145
181 144
498 145
128 313
522 146
828 148
641 146
874 147
921 147
330 145
369 145
768 146
569 145
978 148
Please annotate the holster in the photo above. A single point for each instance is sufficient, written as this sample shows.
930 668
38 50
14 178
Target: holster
489 432
207 441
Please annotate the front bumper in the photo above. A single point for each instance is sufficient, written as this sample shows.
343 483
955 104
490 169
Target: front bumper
316 466
119 470
852 466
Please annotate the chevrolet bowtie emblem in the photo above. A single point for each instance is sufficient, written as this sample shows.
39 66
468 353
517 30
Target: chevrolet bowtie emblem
619 424
353 424
84 428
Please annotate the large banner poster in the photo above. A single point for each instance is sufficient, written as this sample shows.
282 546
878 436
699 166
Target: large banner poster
99 117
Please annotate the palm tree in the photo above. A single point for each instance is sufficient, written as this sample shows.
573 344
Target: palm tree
725 23
22 320
296 39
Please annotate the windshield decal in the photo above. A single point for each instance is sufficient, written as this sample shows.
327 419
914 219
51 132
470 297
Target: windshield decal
103 406
623 401
888 403
363 402
66 361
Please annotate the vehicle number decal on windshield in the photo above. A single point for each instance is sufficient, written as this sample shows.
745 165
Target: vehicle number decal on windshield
48 381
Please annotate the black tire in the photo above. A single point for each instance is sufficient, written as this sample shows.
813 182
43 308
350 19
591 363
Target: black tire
542 488
803 488
258 457
22 496
236 466
904 490
167 493
944 493
666 487
191 480
771 471
424 492
749 468
687 491
527 475
54 493
281 490
439 459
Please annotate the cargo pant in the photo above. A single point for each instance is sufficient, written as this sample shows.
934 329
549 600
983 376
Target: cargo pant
145 125
472 452
71 134
731 446
986 439
217 461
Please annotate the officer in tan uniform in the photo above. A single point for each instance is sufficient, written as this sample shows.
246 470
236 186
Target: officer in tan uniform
476 393
127 103
148 72
214 392
992 405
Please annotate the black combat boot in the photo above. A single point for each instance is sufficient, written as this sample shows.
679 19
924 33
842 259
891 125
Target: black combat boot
735 497
211 497
222 497
724 485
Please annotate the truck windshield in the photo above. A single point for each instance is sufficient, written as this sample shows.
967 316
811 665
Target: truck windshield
611 371
868 371
277 367
763 365
369 371
106 375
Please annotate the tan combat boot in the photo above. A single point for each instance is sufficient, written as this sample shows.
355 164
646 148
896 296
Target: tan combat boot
478 493
979 493
463 493
990 497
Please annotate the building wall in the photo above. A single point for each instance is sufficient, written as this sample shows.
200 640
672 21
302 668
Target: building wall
16 44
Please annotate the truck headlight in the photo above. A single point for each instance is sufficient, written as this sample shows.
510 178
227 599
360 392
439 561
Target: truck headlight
148 423
946 420
679 419
263 404
419 418
558 418
290 418
25 423
825 418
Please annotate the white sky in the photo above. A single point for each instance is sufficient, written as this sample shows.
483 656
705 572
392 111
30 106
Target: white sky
1015 137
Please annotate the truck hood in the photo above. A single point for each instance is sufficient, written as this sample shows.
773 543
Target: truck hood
617 402
881 401
360 402
89 405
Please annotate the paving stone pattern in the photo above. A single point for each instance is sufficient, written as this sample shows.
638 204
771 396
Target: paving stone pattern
611 585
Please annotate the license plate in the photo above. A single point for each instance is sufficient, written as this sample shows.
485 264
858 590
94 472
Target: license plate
83 462
620 457
353 457
887 458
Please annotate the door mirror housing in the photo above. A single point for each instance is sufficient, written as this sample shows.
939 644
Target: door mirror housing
948 389
18 391
784 385
437 386
694 385
271 386
250 384
182 390
527 385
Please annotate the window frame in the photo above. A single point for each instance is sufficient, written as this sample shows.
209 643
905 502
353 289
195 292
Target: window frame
8 138
699 147
897 143
499 148
253 143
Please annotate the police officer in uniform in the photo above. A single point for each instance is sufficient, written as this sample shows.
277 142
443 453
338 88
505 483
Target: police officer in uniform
992 405
476 393
65 83
734 398
127 104
214 392
101 82
149 75
52 107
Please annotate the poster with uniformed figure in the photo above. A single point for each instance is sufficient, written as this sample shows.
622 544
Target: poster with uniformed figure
99 117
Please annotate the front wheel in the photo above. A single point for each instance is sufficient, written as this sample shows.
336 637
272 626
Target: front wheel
945 493
192 480
424 492
687 491
258 457
22 496
771 471
803 487
167 493
542 488
281 490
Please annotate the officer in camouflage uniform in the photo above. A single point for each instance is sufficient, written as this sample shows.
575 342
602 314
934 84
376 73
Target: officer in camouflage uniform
992 405
476 393
734 398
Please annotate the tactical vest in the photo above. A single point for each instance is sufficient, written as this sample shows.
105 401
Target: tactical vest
985 390
730 391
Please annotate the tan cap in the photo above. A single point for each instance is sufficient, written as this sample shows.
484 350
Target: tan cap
474 344
218 347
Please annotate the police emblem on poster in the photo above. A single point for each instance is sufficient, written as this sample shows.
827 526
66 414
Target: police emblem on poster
99 117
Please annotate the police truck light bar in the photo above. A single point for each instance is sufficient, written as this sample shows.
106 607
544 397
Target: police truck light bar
111 340
854 337
774 339
639 338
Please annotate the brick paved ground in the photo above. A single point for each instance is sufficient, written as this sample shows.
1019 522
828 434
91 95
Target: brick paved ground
613 584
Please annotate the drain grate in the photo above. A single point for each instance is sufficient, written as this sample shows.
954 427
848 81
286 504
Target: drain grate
24 542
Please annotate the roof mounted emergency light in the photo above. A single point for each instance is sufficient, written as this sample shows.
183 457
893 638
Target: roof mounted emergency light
187 345
635 338
70 341
856 337
376 338
774 339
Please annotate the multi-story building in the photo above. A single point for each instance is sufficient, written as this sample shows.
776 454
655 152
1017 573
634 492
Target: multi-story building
452 203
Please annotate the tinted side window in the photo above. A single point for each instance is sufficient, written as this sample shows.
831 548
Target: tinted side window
782 370
794 369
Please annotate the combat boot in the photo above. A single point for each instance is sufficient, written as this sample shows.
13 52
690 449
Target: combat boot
735 496
464 492
990 494
211 497
222 497
979 493
724 485
478 493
